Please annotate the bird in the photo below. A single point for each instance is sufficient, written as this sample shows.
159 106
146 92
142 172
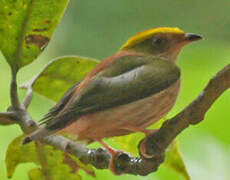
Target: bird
125 93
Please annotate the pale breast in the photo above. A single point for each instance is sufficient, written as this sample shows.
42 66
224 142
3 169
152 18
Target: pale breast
142 113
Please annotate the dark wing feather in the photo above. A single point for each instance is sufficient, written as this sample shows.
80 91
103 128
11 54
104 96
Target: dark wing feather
106 91
60 105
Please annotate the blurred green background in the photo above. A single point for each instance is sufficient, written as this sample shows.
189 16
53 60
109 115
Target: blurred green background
98 28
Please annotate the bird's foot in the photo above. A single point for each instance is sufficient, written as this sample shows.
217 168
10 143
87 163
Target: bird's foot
147 132
112 163
114 153
143 144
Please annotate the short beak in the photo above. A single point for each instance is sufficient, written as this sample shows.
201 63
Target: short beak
192 37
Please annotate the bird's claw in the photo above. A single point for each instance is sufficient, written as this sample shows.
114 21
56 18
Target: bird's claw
143 145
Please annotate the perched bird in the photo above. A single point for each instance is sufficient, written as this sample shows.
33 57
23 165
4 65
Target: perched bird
125 93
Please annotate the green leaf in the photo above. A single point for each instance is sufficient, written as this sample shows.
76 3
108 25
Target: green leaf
55 166
36 174
130 142
174 160
17 153
60 75
26 28
87 168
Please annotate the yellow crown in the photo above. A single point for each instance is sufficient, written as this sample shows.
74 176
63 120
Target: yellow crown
148 33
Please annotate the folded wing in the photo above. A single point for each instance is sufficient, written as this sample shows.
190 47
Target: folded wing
127 80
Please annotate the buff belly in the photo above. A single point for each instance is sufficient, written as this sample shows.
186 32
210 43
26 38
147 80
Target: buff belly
110 122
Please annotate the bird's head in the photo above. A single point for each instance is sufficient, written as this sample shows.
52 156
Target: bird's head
165 42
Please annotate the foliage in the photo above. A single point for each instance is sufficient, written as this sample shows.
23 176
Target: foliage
61 73
174 160
16 154
52 163
26 28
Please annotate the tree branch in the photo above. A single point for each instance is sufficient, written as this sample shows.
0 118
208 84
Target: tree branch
29 87
7 118
29 95
100 158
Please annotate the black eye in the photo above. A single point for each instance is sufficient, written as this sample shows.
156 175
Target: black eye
159 41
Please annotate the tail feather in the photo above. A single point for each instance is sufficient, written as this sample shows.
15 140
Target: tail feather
37 135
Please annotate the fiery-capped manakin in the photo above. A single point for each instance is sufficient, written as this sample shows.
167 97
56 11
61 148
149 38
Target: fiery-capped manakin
125 93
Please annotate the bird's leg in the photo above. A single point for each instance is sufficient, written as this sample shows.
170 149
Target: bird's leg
106 146
113 154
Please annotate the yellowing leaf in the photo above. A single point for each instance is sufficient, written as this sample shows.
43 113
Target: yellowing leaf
130 142
174 160
87 168
55 166
26 27
36 174
18 153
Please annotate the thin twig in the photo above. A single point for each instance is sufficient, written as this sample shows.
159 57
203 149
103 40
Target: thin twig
22 35
29 86
7 118
28 98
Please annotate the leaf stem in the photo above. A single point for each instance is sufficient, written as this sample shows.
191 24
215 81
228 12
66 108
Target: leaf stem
22 36
15 103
